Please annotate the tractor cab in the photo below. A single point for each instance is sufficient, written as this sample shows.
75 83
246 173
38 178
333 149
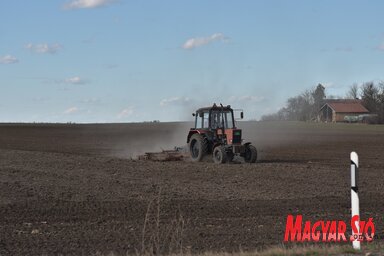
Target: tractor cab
215 132
214 118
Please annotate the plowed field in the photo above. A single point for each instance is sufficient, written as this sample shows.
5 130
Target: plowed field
77 189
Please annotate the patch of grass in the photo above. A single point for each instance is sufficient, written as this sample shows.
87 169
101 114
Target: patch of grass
157 237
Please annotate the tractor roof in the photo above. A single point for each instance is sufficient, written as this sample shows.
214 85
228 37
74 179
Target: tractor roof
214 107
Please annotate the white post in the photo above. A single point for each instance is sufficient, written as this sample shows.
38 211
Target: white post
355 196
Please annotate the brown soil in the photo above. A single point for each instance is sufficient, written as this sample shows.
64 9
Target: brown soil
74 189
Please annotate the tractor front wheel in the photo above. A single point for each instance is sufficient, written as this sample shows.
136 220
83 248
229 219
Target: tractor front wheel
250 154
219 155
198 147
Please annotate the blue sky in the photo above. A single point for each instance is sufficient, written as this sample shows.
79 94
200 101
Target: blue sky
129 61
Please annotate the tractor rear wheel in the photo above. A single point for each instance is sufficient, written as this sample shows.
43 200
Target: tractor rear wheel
219 155
198 147
250 155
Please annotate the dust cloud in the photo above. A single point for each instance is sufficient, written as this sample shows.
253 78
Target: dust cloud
137 139
151 137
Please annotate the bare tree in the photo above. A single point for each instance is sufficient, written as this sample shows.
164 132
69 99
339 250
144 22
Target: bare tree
353 92
303 107
318 96
370 96
380 100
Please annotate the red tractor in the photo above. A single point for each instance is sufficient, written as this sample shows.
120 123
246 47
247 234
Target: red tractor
215 133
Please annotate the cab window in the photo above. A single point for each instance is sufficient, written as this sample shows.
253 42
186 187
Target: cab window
220 119
202 120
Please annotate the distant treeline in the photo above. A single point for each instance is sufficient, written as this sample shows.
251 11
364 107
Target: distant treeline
305 107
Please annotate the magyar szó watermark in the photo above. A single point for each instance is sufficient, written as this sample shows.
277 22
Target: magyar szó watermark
296 230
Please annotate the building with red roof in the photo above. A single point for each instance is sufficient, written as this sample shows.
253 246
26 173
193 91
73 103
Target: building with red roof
340 110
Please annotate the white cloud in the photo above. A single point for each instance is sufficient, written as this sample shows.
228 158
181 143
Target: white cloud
174 101
125 113
44 48
74 80
200 41
71 110
8 59
381 47
86 4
